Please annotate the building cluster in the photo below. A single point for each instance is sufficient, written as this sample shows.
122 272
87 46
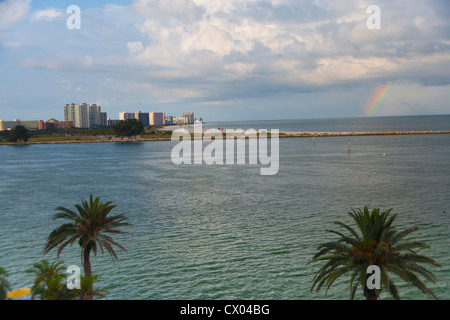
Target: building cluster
84 115
91 116
53 124
146 118
160 118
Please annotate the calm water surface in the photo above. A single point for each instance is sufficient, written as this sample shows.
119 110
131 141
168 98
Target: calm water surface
224 231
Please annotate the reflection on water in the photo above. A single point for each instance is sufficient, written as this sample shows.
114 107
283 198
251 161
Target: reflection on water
223 231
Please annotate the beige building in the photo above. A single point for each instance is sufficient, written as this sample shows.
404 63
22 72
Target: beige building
8 125
127 115
157 118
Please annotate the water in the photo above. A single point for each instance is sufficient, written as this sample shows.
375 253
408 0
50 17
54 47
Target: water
370 124
225 231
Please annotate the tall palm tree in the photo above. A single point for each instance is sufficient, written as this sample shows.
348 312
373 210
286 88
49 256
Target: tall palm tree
90 226
377 243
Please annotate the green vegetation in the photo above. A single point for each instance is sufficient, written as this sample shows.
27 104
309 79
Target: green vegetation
73 132
87 135
31 136
128 128
50 283
61 139
377 243
19 133
154 133
4 284
89 226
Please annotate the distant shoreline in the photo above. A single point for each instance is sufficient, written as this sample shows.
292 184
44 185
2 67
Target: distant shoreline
298 134
282 134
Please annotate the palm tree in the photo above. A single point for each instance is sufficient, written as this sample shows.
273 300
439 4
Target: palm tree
86 291
90 226
377 243
50 283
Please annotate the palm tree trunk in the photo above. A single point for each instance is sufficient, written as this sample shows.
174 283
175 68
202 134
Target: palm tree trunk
87 269
87 262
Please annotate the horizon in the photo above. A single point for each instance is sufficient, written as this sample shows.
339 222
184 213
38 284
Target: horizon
334 118
225 61
261 120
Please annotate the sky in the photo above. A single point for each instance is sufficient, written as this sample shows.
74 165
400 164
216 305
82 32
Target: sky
227 60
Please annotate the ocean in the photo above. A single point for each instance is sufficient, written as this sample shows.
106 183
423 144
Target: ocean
361 124
225 231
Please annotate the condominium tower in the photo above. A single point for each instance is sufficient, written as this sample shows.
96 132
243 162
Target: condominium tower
157 118
83 115
188 117
143 117
127 115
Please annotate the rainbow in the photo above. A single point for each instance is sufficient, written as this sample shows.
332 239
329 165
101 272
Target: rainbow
379 94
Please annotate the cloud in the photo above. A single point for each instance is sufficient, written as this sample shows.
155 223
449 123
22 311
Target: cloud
220 53
293 42
48 14
414 98
166 12
12 11
13 44
135 47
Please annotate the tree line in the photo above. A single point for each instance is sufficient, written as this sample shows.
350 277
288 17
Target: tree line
18 133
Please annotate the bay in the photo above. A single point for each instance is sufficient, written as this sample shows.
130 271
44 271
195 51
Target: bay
225 231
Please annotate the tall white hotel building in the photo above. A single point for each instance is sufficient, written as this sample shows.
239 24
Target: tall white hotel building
83 115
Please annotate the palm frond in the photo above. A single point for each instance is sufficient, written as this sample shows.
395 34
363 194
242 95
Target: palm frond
378 242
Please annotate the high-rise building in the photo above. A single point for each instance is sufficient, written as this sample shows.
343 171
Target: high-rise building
82 115
126 115
177 120
94 112
157 118
69 112
168 120
111 122
188 117
103 119
143 117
